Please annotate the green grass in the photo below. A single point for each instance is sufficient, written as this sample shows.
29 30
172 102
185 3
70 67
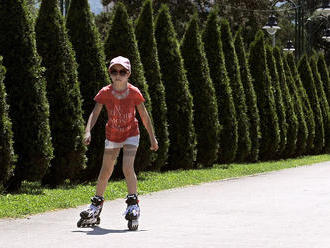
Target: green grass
34 199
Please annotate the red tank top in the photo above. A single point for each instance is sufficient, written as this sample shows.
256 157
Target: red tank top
120 106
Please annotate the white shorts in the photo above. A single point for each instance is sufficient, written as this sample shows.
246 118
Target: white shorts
129 141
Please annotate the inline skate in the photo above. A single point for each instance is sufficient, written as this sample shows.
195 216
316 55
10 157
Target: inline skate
132 212
91 216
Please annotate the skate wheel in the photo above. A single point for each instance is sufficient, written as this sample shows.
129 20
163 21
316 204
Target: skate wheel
133 225
79 223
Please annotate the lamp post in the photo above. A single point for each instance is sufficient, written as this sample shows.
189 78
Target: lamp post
324 9
289 47
297 5
326 35
271 27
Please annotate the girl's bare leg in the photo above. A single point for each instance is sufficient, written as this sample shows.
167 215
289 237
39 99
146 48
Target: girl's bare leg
109 159
129 152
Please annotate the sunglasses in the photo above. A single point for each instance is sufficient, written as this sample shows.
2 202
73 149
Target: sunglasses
115 72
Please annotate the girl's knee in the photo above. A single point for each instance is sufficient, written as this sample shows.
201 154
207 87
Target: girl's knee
128 170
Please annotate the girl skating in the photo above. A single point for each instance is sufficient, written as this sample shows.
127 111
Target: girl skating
121 100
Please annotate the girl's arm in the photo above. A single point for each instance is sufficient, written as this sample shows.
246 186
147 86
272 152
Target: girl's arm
148 125
91 122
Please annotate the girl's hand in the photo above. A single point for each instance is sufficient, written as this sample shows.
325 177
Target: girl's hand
154 145
87 138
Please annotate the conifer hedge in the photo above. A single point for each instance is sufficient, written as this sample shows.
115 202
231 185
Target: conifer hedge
26 89
92 74
251 99
291 117
121 42
308 112
232 65
265 99
302 134
228 136
324 105
307 79
145 37
66 122
205 103
182 153
7 156
271 63
323 70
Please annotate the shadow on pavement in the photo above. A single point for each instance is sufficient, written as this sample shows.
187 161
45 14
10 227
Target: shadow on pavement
102 231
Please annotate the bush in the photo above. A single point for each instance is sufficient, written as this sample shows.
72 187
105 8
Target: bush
121 42
26 88
302 134
63 93
232 65
228 136
323 70
7 156
265 99
92 74
144 32
205 103
288 102
251 98
307 79
182 153
271 63
308 112
324 105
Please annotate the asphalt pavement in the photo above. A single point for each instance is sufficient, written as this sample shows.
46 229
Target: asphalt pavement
282 209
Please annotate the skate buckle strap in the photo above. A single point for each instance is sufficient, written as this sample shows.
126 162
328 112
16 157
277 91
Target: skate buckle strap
134 209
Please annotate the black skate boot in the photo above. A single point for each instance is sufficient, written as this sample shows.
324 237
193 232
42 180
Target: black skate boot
132 212
91 216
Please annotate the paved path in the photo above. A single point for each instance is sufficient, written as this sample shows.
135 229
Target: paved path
288 208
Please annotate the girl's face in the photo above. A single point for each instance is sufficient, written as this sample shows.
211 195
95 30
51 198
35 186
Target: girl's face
119 74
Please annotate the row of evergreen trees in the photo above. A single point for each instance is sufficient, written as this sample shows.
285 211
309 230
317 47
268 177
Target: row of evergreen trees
210 101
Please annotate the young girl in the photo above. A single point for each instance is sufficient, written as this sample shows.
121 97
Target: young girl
122 131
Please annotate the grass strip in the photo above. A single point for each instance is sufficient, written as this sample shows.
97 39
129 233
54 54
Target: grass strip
33 198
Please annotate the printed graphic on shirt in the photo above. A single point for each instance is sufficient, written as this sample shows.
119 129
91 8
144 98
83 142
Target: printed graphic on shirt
121 112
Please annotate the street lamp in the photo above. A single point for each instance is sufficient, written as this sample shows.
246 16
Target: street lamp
289 47
324 9
326 35
271 27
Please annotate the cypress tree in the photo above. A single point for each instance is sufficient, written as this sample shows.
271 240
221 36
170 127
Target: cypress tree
205 104
278 100
228 136
291 117
306 76
144 32
251 98
121 42
323 70
26 88
232 65
302 134
7 156
182 153
63 93
308 112
324 105
265 99
92 75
